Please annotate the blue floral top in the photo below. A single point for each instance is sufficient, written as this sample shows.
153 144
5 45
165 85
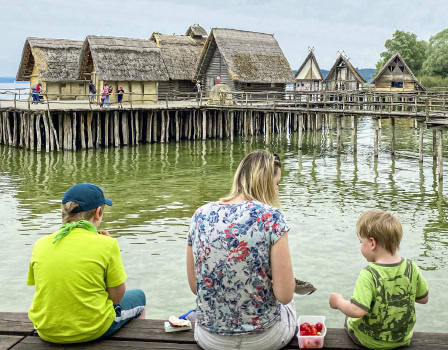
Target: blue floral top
231 247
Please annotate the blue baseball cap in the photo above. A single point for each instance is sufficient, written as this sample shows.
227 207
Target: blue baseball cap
88 196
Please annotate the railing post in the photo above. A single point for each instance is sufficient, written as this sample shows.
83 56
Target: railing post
15 96
130 98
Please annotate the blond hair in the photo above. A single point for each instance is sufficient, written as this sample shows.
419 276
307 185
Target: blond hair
254 178
381 226
69 216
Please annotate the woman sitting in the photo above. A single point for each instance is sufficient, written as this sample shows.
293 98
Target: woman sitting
239 265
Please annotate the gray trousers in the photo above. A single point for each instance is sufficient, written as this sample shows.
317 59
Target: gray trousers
273 338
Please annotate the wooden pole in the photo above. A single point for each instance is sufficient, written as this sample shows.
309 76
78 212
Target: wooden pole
124 128
116 130
32 127
355 133
300 116
420 142
39 137
167 129
392 146
47 134
53 132
338 126
155 127
204 124
106 129
89 130
176 117
440 155
14 132
74 132
376 142
434 144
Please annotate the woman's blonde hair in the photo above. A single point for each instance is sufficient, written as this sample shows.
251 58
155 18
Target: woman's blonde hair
383 227
254 178
69 216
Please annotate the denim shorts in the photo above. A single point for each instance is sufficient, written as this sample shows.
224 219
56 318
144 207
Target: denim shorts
131 306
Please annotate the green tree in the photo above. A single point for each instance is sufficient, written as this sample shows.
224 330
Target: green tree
413 51
437 61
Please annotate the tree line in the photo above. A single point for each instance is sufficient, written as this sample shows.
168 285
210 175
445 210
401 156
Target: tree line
428 60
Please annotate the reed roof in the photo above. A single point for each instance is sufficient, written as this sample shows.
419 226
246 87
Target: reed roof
312 58
57 60
348 65
196 30
180 53
389 61
122 59
250 57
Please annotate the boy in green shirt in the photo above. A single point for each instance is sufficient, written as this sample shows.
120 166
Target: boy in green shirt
79 277
381 313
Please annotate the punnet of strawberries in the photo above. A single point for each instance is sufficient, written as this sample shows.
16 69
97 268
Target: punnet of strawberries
307 329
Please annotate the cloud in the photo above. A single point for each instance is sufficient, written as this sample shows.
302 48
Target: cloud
359 27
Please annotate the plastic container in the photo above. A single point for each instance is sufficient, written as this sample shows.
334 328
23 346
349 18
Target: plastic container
312 341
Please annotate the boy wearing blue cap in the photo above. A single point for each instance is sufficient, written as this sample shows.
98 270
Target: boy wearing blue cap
79 277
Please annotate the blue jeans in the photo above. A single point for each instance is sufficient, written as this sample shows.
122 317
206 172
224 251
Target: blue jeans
35 95
108 100
131 306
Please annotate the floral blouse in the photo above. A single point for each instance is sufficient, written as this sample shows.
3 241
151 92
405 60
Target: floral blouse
231 247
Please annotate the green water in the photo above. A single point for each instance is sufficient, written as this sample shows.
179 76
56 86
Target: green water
156 188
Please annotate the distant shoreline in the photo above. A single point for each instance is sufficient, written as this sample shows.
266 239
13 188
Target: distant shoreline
7 79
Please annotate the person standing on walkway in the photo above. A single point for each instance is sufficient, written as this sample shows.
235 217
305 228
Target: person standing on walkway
92 92
120 94
111 89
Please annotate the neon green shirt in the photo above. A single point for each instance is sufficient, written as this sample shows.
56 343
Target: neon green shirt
388 293
71 303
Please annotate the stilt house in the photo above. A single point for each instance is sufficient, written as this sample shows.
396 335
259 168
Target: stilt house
343 76
396 76
245 61
180 54
135 64
308 76
55 64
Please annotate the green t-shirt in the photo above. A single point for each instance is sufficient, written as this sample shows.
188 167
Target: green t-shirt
71 303
388 294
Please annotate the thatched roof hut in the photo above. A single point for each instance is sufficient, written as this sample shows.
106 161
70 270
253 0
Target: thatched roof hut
196 31
122 59
343 76
180 54
54 63
396 76
309 76
135 64
244 60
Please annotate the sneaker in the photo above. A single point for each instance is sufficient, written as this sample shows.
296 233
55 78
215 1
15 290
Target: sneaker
304 288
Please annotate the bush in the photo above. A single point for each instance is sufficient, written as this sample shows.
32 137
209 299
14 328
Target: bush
429 81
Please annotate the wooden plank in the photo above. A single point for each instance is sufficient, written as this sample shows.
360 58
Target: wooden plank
7 341
15 323
35 343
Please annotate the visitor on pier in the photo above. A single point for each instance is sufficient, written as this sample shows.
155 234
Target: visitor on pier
239 264
381 312
104 93
120 94
79 277
92 92
198 90
110 92
36 91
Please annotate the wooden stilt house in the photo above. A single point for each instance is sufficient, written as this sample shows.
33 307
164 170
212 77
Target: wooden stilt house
343 76
135 64
396 76
308 76
180 54
245 61
55 64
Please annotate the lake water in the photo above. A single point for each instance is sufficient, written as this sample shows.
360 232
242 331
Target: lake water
156 188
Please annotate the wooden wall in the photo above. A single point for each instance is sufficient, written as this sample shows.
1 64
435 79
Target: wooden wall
216 65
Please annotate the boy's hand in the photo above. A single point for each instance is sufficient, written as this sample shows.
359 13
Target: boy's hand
334 300
104 233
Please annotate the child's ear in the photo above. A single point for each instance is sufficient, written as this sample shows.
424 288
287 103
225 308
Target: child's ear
373 243
98 213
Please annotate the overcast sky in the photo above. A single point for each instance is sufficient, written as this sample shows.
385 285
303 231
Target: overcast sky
358 27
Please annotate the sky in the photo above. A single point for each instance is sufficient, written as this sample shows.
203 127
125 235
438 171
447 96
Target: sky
357 27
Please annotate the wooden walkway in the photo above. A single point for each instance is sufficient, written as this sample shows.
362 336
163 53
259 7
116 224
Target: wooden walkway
16 332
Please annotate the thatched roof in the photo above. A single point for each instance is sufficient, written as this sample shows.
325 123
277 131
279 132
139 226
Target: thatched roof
196 30
122 59
180 54
57 60
394 57
347 63
313 61
250 57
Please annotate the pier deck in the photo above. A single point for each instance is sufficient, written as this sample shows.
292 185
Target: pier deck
17 332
